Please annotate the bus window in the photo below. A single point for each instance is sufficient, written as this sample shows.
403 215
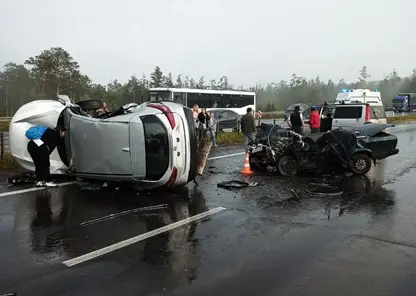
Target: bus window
160 95
202 100
238 101
179 98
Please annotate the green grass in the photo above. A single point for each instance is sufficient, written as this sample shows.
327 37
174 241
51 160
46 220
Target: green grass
4 126
271 115
230 138
399 119
8 162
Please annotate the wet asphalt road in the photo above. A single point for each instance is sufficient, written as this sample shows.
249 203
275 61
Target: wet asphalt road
264 242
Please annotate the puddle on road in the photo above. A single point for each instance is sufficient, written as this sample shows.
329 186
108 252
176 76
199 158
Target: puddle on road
54 225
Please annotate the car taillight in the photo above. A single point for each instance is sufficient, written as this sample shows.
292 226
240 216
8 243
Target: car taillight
367 113
166 111
173 176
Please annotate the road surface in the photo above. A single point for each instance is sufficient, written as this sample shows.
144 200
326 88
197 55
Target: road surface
205 240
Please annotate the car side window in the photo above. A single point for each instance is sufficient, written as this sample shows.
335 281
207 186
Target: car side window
372 113
223 115
231 115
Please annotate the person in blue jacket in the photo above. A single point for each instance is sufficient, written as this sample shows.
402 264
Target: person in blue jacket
40 151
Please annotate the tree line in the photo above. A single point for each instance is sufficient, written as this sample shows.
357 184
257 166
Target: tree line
54 71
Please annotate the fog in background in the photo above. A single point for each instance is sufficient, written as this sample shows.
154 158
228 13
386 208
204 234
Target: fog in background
249 41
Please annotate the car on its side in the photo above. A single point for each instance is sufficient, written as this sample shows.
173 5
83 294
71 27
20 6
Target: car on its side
152 145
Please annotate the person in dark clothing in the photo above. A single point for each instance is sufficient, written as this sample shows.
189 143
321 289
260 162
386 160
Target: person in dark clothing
203 119
40 150
248 127
296 121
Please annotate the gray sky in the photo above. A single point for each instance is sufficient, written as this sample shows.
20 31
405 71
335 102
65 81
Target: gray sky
250 41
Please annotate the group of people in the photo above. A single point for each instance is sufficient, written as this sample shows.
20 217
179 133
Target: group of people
297 124
205 121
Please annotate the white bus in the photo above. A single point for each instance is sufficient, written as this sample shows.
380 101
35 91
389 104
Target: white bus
237 101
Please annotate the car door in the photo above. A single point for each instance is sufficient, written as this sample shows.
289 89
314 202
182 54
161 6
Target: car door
231 121
222 120
100 147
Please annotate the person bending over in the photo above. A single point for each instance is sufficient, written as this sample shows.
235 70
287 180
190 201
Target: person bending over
40 151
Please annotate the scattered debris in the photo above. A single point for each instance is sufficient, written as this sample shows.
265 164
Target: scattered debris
22 178
324 190
236 184
295 194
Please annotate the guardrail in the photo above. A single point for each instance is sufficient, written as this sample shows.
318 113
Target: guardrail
4 144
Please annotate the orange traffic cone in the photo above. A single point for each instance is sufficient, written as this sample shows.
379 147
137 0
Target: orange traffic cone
246 168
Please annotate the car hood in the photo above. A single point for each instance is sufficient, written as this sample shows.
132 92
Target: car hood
45 112
373 129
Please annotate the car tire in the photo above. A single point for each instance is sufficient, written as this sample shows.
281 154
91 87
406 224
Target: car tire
361 164
287 166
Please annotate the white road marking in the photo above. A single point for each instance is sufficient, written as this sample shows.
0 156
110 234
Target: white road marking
15 192
133 240
227 155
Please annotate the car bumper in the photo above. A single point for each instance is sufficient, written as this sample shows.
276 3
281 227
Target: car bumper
394 152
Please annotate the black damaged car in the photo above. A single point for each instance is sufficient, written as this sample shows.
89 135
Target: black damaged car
340 150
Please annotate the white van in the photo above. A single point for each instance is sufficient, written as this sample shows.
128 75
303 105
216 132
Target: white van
354 115
375 114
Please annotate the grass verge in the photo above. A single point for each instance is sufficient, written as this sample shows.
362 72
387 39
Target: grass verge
8 162
230 138
4 126
399 119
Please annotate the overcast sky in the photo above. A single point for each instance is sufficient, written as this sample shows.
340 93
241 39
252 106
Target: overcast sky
249 41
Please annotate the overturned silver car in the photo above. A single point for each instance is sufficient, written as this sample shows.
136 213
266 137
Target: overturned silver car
152 145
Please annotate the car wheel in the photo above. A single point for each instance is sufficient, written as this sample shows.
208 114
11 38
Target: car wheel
287 166
361 164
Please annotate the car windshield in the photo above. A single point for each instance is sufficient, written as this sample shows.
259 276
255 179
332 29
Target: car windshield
157 147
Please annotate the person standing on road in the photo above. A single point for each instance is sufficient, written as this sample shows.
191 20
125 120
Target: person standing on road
40 151
212 128
296 121
248 127
195 112
314 121
203 119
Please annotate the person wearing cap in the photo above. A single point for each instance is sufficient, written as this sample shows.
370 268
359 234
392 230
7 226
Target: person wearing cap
296 121
314 120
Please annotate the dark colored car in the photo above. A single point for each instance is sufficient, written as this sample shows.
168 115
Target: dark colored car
226 119
375 137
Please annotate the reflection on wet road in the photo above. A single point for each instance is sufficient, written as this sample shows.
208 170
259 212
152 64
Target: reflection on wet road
265 242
